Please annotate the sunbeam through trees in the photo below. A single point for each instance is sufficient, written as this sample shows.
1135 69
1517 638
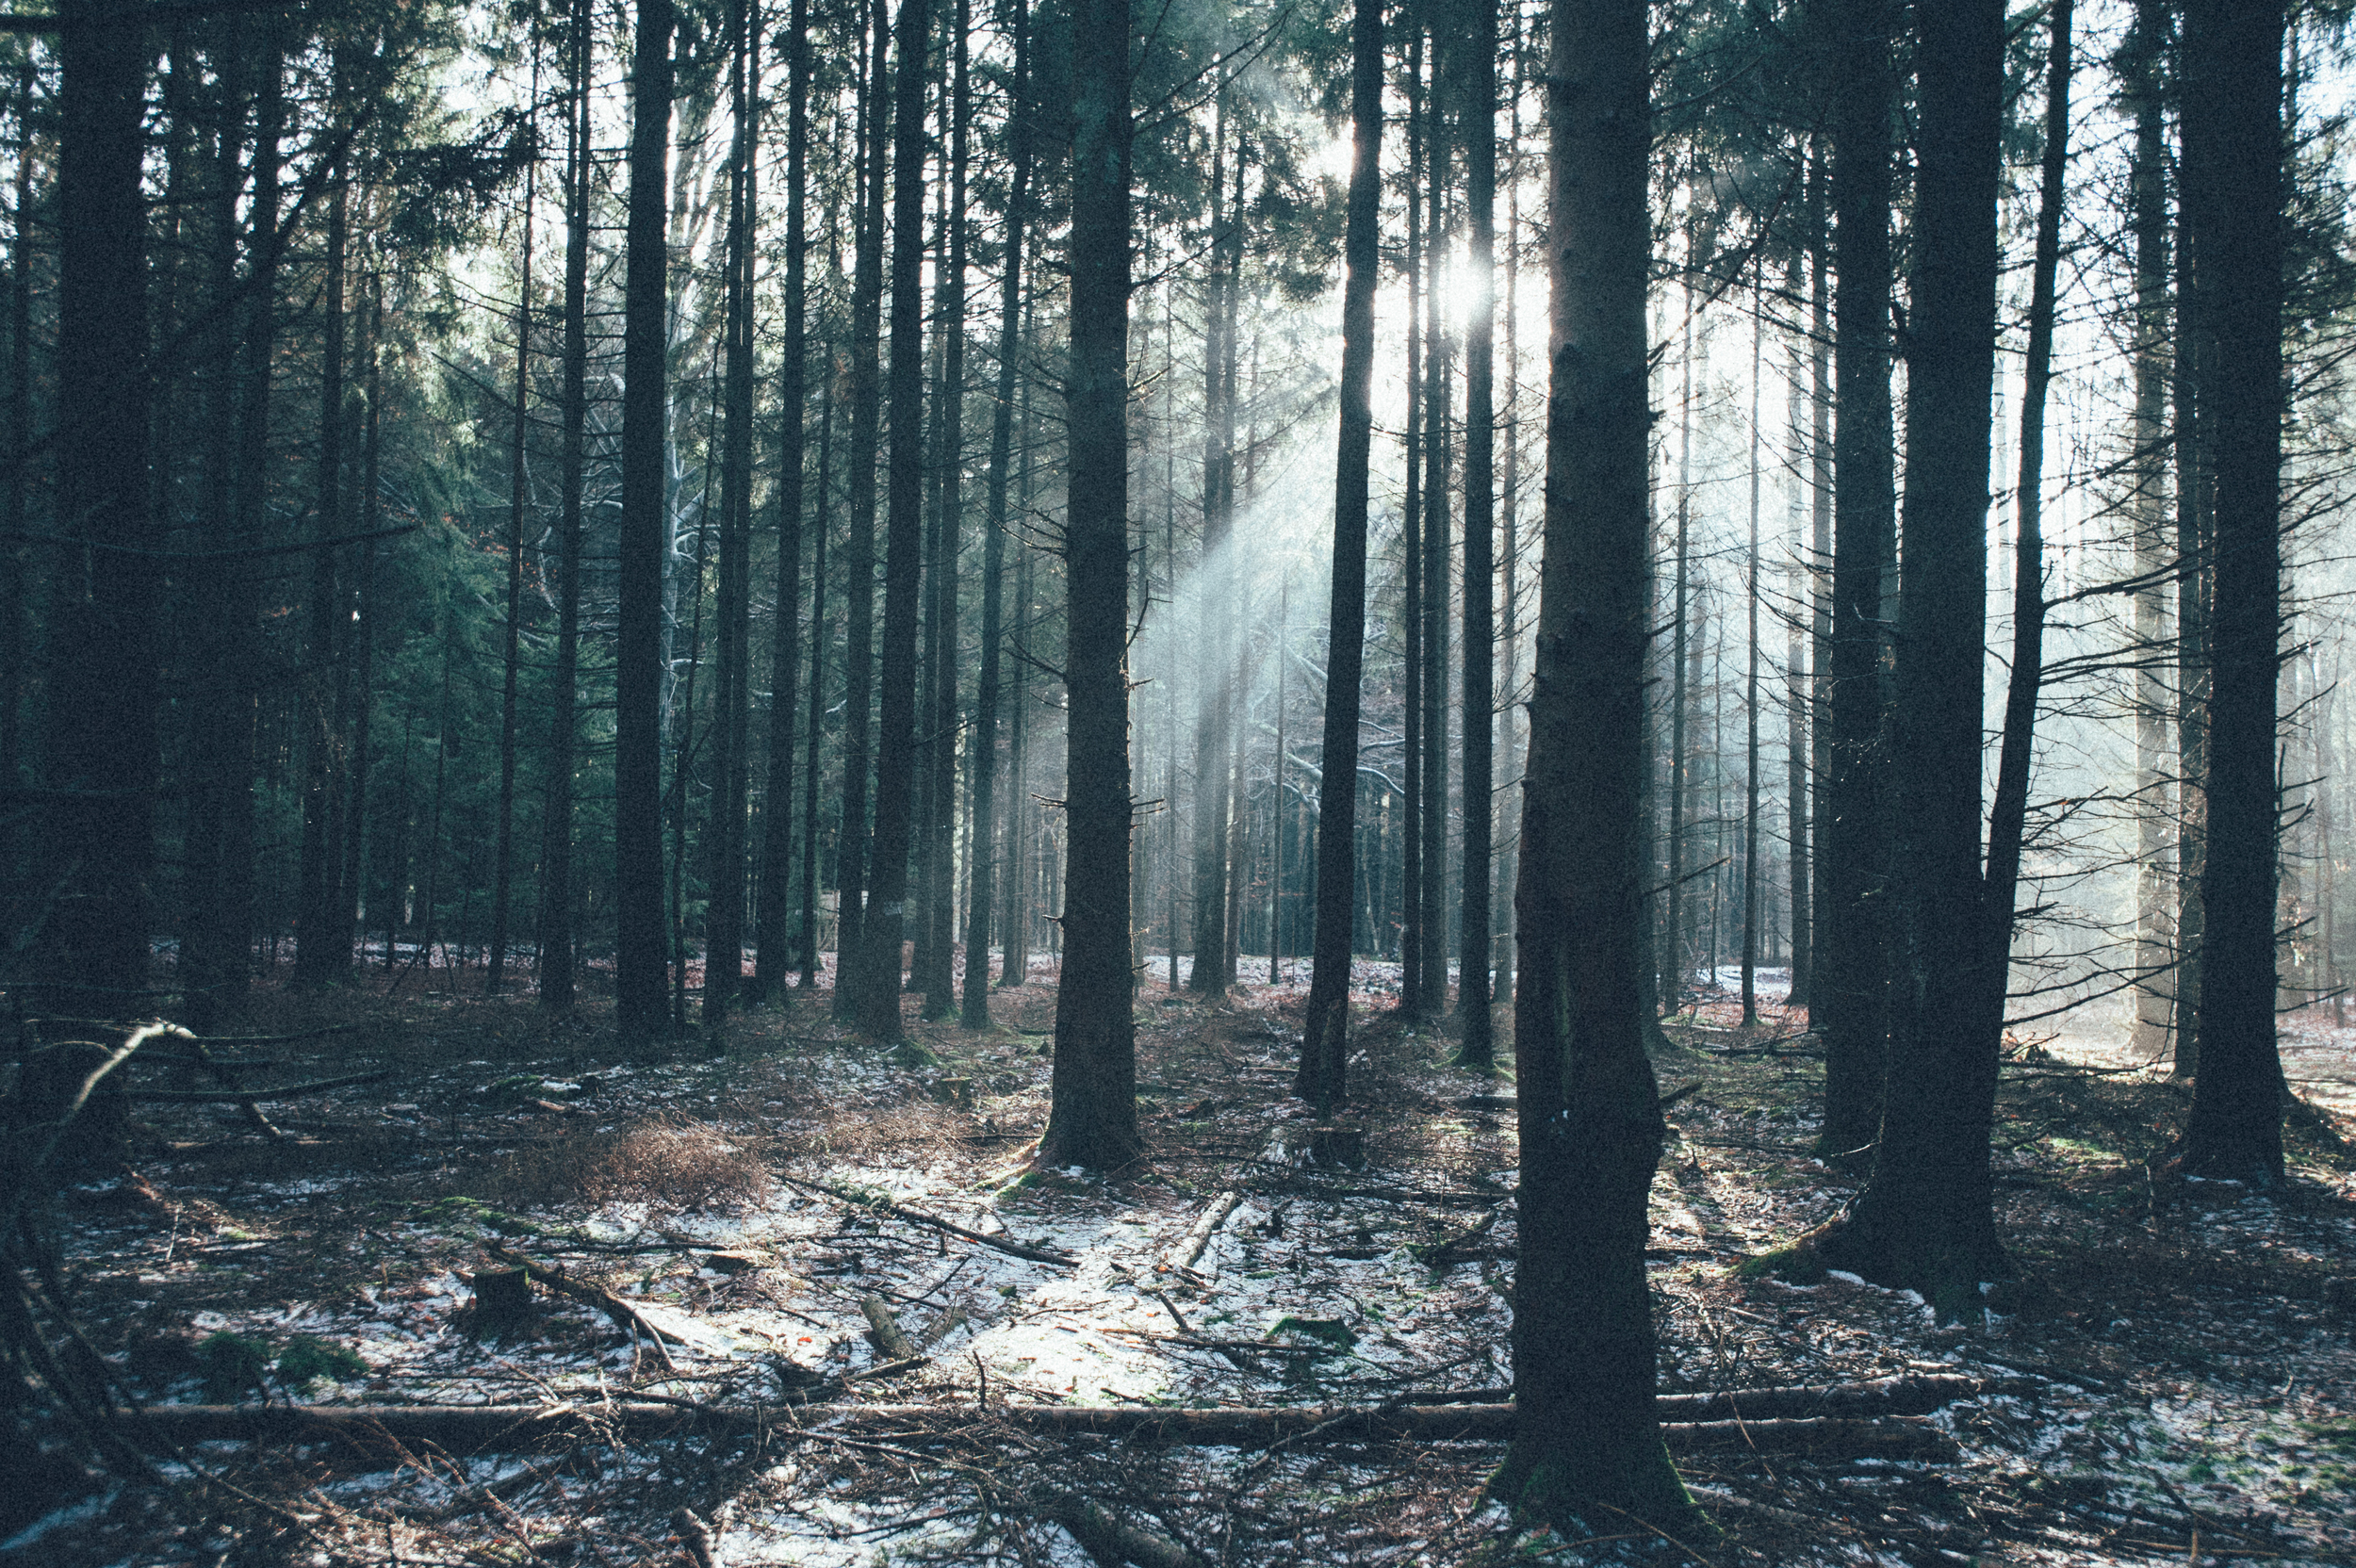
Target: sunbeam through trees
1233 781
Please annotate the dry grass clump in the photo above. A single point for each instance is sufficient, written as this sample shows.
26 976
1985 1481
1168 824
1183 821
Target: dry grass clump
668 1166
911 1130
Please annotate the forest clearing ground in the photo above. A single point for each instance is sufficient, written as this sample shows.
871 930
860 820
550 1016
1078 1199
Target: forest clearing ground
2184 1360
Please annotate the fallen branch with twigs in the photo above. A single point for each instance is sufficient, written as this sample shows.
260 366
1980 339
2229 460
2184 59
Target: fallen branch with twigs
481 1427
626 1316
877 1203
249 1097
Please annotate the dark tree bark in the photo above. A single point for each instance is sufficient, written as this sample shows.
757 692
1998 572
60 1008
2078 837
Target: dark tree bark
216 949
638 655
981 772
935 978
2008 812
724 924
682 725
1821 462
1092 1117
1590 1119
1851 962
366 610
859 553
1798 580
1325 1038
519 482
15 627
881 927
1014 968
2153 1025
1276 809
817 688
2196 581
1926 1219
318 957
1214 725
1751 900
555 965
1509 712
1413 983
775 941
101 685
1479 114
1677 966
2232 96
1437 387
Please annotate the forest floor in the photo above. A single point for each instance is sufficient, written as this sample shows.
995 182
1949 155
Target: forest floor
2180 1383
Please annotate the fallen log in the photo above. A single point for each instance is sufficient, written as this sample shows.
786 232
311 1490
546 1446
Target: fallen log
1906 1395
249 1097
1898 1396
880 1204
1112 1541
479 1428
1189 1253
885 1330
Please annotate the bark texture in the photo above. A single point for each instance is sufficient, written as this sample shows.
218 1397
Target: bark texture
2233 95
1325 1040
1093 1116
1590 1126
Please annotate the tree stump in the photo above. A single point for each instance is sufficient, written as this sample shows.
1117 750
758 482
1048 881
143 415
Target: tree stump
1342 1146
502 1299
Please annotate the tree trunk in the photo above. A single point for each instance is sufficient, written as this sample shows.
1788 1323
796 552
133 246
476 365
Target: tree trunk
2008 812
1797 581
1015 967
366 608
885 920
1276 834
100 672
1850 964
1587 1431
2153 1000
923 833
982 771
317 960
1413 984
817 687
2195 497
858 554
15 628
1092 1110
1438 389
937 977
1820 465
555 964
1214 714
724 922
1676 967
1509 712
216 947
518 479
1479 117
2234 149
682 731
774 942
1926 1217
638 654
1751 901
